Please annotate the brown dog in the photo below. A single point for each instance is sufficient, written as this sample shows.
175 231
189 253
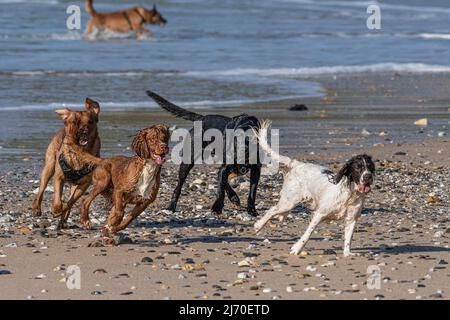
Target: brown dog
70 157
124 21
129 180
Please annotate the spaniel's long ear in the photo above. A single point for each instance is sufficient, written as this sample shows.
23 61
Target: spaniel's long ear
345 171
140 146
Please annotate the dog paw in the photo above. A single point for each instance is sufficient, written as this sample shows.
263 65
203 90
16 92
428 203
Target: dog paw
252 211
166 211
235 200
171 208
296 249
217 208
62 225
36 212
105 232
86 224
257 227
351 254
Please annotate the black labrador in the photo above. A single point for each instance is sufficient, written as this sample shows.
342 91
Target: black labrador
227 169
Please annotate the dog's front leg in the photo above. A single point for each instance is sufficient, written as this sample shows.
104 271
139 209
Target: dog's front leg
255 173
185 168
89 28
75 195
222 177
141 30
116 215
137 210
298 246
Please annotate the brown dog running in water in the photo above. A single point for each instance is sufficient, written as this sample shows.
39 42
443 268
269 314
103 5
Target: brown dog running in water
124 21
129 180
70 157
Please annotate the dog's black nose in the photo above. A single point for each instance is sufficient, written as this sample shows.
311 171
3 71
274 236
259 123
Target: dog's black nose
367 178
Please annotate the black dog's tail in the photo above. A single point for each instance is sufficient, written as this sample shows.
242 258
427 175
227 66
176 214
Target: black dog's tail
174 109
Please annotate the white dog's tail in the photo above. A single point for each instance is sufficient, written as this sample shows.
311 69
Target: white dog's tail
90 8
261 134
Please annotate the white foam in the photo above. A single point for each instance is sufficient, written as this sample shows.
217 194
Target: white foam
312 71
69 36
30 1
114 106
365 4
438 36
55 73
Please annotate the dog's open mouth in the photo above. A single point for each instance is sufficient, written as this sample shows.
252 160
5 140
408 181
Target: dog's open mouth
364 188
83 142
159 158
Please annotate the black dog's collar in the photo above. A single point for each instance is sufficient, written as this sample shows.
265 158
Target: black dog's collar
71 175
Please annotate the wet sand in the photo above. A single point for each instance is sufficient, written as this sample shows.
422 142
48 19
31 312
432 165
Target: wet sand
404 229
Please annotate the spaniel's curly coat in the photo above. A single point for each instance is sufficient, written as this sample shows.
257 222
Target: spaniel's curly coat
129 180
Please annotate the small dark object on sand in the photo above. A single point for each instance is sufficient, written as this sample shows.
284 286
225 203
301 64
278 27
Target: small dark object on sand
5 272
298 107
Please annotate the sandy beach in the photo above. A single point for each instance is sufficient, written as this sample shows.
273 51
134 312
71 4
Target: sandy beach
192 254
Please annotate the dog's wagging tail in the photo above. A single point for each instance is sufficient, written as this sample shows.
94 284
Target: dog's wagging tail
174 109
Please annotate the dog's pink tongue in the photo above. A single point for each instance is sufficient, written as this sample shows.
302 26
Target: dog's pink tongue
160 159
364 187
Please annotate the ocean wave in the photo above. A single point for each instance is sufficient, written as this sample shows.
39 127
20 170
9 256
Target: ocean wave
365 4
69 36
258 72
30 1
88 73
313 71
76 36
433 36
115 106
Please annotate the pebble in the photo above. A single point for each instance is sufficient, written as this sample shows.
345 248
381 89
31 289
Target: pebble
438 234
99 271
267 290
311 268
289 289
436 295
146 260
3 272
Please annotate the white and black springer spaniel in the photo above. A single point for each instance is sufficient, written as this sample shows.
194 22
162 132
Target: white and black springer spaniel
330 196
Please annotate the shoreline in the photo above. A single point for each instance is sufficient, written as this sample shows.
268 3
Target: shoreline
358 110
